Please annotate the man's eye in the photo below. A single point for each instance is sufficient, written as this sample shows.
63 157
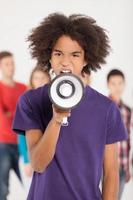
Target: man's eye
57 54
75 55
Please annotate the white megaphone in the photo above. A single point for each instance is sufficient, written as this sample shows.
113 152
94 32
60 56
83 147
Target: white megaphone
65 92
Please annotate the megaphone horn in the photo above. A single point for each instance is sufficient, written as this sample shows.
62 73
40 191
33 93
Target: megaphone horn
66 91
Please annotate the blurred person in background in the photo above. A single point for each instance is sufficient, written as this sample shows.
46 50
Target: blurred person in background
116 86
132 142
10 90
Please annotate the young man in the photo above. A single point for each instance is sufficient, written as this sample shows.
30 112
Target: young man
116 85
10 90
68 161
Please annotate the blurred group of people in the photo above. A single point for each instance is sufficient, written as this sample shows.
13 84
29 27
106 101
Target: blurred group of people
12 147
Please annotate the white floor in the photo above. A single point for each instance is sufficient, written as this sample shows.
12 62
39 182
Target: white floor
17 190
19 193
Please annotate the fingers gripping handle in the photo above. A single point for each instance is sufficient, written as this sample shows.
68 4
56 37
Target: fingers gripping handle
65 121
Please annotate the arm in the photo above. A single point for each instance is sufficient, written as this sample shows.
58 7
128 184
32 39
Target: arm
24 153
42 146
110 173
4 112
23 148
128 143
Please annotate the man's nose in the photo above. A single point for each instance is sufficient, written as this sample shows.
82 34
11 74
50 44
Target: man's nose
65 61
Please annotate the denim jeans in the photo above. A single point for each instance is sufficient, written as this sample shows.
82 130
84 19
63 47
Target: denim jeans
122 181
9 158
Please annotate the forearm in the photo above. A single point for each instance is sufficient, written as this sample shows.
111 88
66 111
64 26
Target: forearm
43 152
110 187
23 148
5 114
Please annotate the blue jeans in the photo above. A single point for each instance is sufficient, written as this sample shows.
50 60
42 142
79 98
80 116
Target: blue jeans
122 181
9 158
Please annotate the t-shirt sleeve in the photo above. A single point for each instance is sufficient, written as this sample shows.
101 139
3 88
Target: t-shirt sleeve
25 118
116 130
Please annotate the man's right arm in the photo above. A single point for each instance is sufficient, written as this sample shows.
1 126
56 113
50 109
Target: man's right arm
41 146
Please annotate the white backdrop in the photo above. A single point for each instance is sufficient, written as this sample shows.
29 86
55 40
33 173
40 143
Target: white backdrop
18 17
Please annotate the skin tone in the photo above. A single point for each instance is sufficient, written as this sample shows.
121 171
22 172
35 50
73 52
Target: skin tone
67 57
86 78
39 79
67 54
7 67
116 86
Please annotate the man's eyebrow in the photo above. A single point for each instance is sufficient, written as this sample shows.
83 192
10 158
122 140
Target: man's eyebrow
74 52
57 50
79 52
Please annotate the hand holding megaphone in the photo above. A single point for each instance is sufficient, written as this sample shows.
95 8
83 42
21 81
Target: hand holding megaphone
66 91
59 115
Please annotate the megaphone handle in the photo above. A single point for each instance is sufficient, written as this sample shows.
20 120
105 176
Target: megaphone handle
65 121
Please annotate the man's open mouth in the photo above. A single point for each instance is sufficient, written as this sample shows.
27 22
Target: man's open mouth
65 71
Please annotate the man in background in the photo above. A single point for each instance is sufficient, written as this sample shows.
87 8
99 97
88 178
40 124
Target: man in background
10 90
116 85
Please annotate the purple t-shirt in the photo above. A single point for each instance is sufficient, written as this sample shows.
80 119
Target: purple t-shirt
75 171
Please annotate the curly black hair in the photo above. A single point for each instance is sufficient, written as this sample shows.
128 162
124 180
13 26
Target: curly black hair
81 28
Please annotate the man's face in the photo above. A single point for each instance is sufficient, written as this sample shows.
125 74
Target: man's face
116 86
67 56
7 66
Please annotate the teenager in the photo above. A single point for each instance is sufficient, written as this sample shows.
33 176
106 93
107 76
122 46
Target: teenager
116 86
68 161
10 90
